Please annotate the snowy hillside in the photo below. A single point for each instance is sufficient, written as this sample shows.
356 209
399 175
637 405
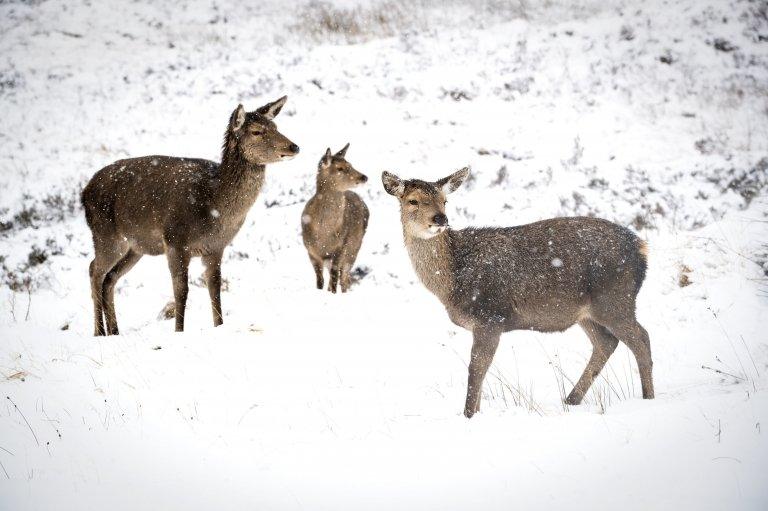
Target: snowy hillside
653 115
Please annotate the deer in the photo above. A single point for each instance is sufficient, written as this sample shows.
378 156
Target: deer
544 276
334 220
180 208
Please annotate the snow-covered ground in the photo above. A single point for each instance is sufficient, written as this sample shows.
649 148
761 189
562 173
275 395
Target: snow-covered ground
653 115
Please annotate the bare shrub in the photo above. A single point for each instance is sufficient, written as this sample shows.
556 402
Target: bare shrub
324 21
35 212
10 80
756 20
24 276
748 183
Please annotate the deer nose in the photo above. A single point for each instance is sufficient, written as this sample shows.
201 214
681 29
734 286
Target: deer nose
294 148
363 178
440 219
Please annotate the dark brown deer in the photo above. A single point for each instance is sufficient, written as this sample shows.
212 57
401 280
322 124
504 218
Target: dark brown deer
544 276
180 207
334 220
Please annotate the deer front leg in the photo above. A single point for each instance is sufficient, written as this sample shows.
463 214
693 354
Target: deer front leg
212 264
178 264
317 265
484 343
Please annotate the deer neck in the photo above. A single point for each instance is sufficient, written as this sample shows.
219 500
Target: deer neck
239 185
331 200
433 261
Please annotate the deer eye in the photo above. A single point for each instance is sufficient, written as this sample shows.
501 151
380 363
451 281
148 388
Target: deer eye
257 133
413 202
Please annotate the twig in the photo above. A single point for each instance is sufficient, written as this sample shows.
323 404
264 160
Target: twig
12 299
727 248
733 347
70 34
25 419
29 303
727 458
718 371
254 405
6 472
517 394
750 355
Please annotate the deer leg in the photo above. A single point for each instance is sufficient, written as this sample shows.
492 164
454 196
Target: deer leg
122 267
317 265
345 264
344 278
348 256
178 264
212 264
484 343
96 295
105 260
334 280
636 338
603 345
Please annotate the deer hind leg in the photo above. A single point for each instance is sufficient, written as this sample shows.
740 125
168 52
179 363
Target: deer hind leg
178 264
105 259
619 318
348 257
212 264
603 345
345 265
96 296
335 272
344 277
484 343
120 268
632 333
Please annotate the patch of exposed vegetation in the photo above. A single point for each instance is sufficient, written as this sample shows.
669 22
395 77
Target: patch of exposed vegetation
24 277
36 212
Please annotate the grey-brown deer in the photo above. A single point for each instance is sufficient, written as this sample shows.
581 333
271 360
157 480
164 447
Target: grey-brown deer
180 207
334 220
544 276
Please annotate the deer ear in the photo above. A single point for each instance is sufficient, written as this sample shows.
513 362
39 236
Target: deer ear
237 119
343 151
270 110
327 157
393 184
452 183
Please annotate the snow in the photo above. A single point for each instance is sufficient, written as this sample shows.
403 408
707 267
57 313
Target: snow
307 400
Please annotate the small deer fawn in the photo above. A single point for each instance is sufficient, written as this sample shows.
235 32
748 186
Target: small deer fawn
180 207
334 220
543 276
